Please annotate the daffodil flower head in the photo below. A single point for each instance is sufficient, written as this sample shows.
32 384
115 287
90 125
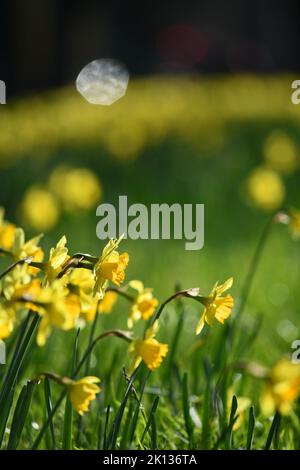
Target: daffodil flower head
7 319
82 392
216 306
58 308
149 350
110 267
282 388
144 304
30 249
58 256
107 303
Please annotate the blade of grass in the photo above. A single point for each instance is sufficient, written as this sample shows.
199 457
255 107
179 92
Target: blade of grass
6 395
186 409
232 419
251 426
152 412
20 415
273 430
118 419
48 401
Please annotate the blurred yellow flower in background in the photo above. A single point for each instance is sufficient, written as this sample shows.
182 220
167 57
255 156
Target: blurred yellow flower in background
265 189
107 303
294 223
76 188
144 303
39 209
7 232
216 306
148 350
281 152
7 320
82 392
282 388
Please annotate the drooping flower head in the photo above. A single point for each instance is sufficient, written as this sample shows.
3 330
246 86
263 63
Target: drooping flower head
144 303
110 267
216 305
82 392
148 350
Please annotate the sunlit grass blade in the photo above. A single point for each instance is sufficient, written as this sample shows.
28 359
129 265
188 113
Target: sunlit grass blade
153 432
251 426
232 419
273 430
152 413
48 401
20 415
104 445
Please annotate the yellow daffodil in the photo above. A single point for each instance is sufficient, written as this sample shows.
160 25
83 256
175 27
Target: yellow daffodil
30 249
110 267
58 256
58 308
148 350
107 303
216 306
7 232
144 304
82 392
7 320
282 388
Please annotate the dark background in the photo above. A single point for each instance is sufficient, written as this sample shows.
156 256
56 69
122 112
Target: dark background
45 43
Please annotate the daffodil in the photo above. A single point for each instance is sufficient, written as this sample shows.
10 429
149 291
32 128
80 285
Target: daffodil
7 320
148 349
58 308
216 306
282 388
107 303
110 267
144 303
82 392
58 256
7 232
22 249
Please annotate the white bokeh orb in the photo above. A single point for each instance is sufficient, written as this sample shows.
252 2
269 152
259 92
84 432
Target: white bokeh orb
103 81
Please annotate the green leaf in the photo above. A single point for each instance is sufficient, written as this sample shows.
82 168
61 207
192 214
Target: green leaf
251 426
20 415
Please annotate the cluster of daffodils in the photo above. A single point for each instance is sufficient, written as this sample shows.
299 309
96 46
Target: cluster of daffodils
68 291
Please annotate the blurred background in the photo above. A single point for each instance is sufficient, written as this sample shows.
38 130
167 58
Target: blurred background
207 118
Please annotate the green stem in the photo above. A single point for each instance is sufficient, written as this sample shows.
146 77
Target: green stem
246 288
